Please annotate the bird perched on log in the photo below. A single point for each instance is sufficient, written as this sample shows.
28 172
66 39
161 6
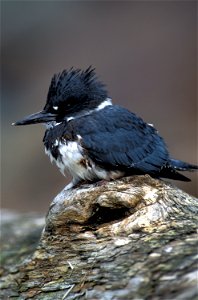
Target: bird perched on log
93 139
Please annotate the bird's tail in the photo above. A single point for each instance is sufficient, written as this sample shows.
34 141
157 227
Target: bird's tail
182 166
170 170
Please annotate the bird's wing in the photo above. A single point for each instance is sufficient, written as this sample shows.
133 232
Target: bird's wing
115 138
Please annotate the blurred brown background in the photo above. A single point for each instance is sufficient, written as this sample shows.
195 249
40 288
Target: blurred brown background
144 51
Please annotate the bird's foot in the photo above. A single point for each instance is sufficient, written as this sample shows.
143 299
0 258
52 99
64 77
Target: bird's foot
75 184
69 186
101 182
79 183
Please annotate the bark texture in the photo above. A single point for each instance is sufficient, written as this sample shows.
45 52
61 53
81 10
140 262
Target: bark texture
133 238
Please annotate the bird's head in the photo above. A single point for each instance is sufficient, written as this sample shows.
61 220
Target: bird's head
71 93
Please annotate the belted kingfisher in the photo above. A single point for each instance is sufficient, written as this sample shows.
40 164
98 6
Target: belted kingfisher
93 139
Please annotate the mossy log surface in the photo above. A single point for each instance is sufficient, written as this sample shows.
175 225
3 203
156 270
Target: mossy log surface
133 238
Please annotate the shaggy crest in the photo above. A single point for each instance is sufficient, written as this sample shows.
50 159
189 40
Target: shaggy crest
76 83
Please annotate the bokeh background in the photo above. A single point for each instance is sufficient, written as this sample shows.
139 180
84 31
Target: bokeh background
144 51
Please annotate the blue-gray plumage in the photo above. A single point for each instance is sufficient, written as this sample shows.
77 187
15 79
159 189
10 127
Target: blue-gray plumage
93 139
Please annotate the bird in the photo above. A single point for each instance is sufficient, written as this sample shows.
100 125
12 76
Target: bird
95 140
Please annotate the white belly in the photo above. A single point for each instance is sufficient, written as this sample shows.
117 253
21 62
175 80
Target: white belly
72 160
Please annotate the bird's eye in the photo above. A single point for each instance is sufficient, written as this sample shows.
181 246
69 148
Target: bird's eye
55 107
71 102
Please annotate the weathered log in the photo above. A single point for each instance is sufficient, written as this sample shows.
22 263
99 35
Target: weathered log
133 238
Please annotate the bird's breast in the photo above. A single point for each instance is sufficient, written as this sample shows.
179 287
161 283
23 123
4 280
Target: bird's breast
69 156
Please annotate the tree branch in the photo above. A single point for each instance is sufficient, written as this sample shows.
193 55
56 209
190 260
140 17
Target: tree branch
133 238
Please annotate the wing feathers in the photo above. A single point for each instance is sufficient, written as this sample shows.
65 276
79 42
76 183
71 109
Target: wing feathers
122 140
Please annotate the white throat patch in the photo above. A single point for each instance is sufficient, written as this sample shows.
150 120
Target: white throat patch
105 103
102 105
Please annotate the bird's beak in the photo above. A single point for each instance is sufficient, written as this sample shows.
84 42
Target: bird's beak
39 117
